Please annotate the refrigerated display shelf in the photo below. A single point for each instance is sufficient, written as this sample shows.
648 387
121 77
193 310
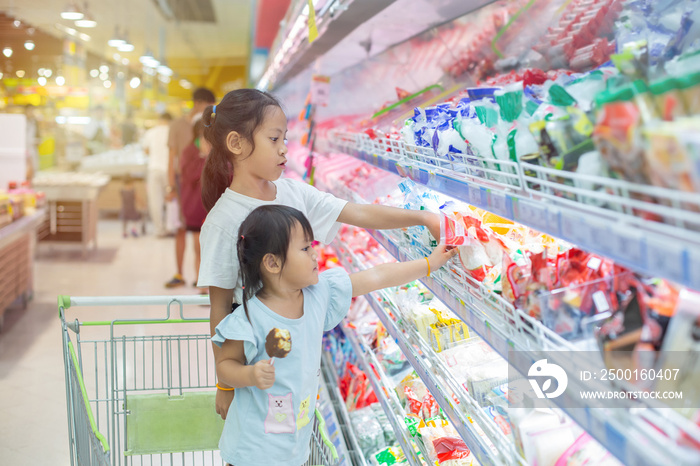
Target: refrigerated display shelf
497 450
385 395
336 425
508 189
620 431
332 384
345 27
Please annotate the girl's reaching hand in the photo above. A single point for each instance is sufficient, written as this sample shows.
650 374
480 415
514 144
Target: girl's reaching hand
264 374
440 255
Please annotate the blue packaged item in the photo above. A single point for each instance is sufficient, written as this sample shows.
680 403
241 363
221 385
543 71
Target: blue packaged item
479 93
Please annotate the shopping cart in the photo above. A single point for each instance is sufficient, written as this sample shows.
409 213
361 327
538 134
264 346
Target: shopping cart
141 391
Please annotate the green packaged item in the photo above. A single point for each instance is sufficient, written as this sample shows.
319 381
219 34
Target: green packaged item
388 456
510 103
412 424
560 97
487 112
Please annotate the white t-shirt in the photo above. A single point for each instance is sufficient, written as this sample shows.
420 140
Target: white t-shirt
219 235
156 141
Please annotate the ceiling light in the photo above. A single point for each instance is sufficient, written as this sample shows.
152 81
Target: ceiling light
16 23
120 75
29 45
60 80
86 22
71 31
107 84
40 71
94 73
20 73
126 47
164 79
148 60
7 51
0 75
135 82
185 84
125 61
104 69
117 57
42 81
116 39
84 37
47 73
104 76
165 70
71 13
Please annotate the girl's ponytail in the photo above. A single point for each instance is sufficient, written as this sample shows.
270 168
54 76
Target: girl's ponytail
243 111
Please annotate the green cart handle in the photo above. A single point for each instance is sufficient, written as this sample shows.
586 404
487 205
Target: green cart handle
324 435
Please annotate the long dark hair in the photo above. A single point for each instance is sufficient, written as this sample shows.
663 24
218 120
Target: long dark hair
266 230
243 111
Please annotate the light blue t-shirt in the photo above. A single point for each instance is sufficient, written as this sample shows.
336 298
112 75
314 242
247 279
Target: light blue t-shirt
273 426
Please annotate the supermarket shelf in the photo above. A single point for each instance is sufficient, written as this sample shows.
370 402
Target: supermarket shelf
385 395
336 424
531 195
345 26
495 451
618 430
332 383
14 230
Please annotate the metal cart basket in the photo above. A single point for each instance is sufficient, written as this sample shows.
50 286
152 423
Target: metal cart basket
141 391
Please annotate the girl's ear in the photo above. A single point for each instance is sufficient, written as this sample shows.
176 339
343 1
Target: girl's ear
234 143
272 263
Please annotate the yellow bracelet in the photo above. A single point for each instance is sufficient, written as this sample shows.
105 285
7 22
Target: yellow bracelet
224 388
426 259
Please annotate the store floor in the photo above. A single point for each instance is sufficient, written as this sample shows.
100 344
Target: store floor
33 420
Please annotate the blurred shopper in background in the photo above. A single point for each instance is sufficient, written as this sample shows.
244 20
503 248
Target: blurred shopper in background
132 208
180 137
155 144
191 164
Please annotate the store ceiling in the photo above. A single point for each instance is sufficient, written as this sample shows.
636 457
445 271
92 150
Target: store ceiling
197 38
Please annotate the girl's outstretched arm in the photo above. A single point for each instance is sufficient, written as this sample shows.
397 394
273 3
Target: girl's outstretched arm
399 273
379 217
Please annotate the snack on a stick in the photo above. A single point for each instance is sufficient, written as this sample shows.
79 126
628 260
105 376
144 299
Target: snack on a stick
278 343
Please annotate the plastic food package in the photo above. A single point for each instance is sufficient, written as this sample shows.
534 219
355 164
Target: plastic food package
380 415
444 446
388 456
500 417
586 452
369 432
617 137
671 162
482 379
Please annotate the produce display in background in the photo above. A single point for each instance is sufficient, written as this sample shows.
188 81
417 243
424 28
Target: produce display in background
18 201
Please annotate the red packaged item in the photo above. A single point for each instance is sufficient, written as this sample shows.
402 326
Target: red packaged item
450 448
430 407
413 404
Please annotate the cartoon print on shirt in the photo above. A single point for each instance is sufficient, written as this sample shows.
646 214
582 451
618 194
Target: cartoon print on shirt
280 415
303 418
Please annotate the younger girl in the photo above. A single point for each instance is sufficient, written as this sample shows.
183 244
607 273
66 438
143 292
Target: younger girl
247 131
284 294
